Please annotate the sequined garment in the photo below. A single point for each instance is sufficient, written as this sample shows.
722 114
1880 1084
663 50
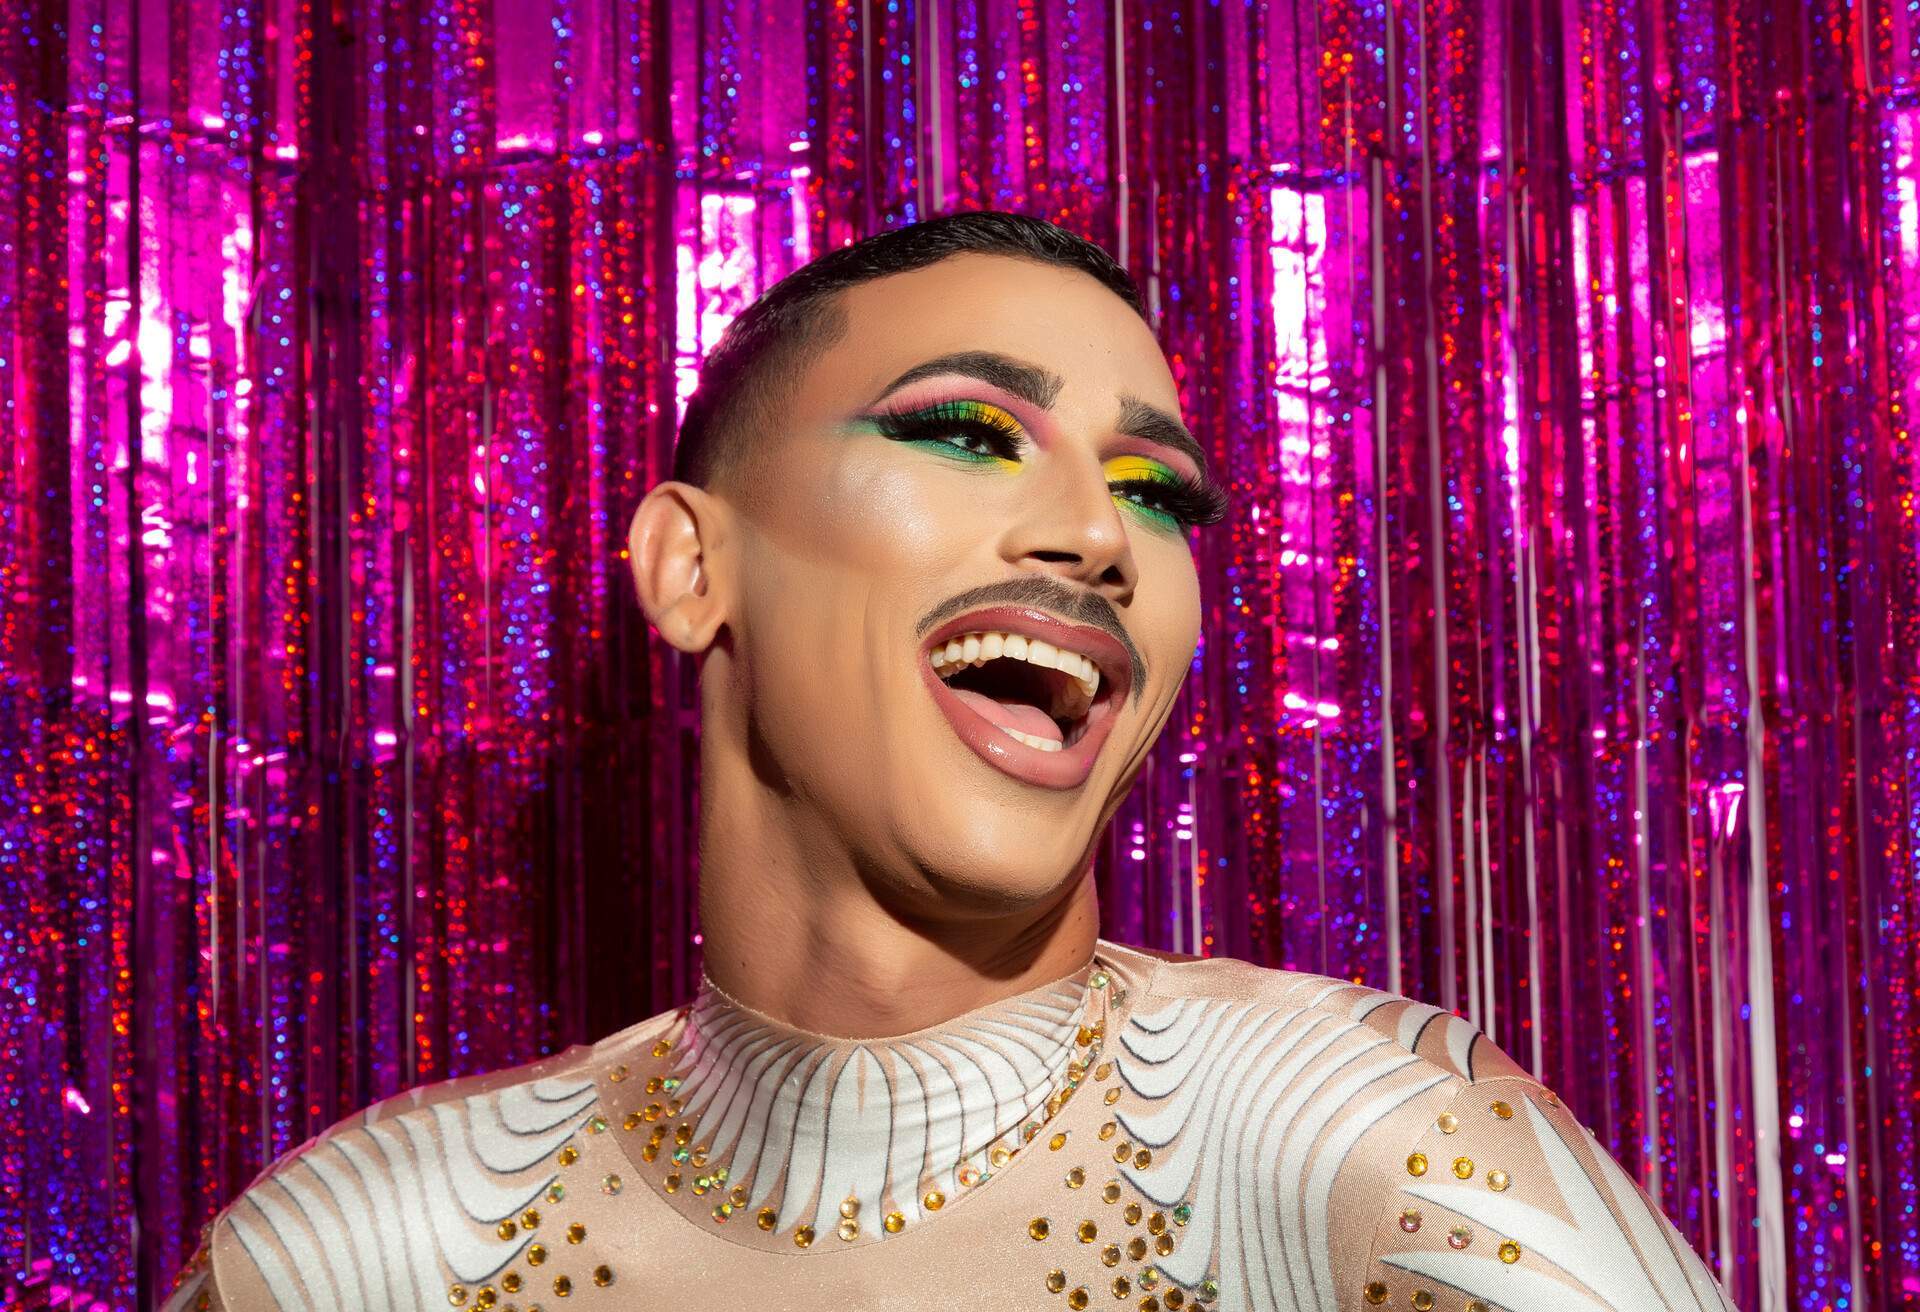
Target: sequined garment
1147 1134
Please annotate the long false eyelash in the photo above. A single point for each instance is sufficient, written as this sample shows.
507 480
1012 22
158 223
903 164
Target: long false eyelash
998 430
1188 500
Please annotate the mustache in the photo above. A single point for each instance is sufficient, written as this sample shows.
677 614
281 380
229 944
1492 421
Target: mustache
1045 592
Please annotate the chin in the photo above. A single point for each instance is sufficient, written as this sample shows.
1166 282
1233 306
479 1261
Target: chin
999 870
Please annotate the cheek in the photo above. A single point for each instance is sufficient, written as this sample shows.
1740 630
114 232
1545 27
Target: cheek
890 519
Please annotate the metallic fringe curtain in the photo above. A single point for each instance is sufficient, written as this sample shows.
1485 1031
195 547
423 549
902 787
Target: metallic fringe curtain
1559 664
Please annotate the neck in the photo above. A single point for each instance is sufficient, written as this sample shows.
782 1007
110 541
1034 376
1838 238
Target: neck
791 928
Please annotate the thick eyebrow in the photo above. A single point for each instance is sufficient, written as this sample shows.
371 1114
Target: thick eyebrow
1031 383
1152 424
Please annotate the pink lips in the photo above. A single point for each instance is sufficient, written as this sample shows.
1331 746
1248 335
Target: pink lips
1070 766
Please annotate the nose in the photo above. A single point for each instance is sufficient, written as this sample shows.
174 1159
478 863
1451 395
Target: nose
1069 526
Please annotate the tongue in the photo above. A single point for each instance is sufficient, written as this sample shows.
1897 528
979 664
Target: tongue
1030 720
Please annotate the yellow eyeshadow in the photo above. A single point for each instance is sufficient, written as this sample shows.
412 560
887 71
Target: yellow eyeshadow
1123 468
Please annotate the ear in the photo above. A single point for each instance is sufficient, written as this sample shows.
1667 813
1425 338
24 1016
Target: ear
678 534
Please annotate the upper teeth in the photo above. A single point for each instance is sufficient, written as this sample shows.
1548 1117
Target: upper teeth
979 648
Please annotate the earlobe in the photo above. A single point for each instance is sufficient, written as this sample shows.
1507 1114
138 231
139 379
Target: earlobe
674 544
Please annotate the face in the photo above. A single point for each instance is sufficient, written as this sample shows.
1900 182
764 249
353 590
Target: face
965 592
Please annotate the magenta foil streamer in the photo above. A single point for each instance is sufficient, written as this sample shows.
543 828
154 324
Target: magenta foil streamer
1559 657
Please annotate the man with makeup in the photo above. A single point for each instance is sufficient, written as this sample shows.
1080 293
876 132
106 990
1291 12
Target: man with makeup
929 537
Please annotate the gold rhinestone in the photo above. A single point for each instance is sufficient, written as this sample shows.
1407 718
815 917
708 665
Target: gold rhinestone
610 1185
1143 1158
1163 1245
1110 1255
1463 1167
1417 1164
562 1286
1121 1287
655 1084
1131 1214
1124 1151
530 1219
1448 1122
1077 1299
934 1200
1136 1248
536 1255
1112 1097
507 1230
1376 1292
631 1121
457 1295
1056 1280
1497 1180
1476 1306
849 1229
1056 1143
576 1233
673 1108
682 1135
737 1195
999 1156
894 1223
1149 1304
1106 1131
1157 1223
765 1218
1111 1191
662 1048
672 1182
803 1236
1088 1232
850 1208
652 1112
618 1073
1076 1177
1503 1111
1423 1300
1509 1252
1038 1228
1103 1070
486 1298
603 1276
1085 1036
510 1282
649 1152
700 1155
569 1155
1175 1296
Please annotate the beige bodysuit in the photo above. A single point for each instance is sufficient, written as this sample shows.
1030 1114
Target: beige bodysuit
1145 1134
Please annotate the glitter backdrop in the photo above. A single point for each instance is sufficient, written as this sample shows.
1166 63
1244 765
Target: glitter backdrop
1560 659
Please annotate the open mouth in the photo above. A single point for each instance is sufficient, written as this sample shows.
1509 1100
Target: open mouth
1031 694
1034 692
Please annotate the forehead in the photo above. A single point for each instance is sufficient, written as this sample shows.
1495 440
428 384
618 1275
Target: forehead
1060 319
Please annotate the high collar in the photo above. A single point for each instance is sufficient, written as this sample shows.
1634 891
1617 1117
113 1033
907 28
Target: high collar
804 1136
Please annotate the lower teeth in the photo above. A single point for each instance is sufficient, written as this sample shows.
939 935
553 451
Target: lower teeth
1044 744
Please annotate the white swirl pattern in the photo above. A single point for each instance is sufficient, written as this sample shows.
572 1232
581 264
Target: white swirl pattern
1627 1255
813 1121
431 1190
1250 1110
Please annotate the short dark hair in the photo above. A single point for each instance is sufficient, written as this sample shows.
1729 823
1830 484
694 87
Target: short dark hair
794 319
